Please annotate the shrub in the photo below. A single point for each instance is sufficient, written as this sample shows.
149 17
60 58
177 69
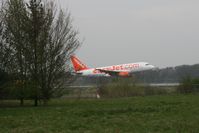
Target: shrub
127 88
188 85
121 90
155 91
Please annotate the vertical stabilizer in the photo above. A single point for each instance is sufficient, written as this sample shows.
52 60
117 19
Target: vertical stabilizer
77 64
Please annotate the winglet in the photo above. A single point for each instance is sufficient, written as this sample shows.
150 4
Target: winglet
77 64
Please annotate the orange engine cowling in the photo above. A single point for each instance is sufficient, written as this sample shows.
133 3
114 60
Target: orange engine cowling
124 74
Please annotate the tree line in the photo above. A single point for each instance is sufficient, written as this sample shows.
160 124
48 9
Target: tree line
36 41
169 74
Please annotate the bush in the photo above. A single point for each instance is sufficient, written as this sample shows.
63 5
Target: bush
127 88
188 85
121 90
155 91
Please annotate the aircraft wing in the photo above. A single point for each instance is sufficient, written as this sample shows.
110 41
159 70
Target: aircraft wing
111 73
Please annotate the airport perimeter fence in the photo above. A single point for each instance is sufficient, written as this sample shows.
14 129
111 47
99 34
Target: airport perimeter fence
114 91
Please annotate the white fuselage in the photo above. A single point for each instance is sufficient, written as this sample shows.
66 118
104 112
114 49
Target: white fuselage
130 68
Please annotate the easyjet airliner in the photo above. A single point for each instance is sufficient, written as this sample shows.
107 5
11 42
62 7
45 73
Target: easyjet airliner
123 70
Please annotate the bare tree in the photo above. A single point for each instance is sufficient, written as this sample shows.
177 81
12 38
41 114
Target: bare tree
40 40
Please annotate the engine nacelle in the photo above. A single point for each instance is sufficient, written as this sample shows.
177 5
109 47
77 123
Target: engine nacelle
124 74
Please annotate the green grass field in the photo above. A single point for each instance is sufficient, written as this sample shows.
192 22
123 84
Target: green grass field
151 114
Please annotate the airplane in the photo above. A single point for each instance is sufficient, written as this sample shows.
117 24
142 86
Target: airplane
123 70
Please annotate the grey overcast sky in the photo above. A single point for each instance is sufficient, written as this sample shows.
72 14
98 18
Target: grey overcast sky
162 32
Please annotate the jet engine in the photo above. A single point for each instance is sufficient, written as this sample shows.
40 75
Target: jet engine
124 74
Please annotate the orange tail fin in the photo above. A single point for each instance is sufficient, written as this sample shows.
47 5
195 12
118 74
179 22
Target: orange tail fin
77 64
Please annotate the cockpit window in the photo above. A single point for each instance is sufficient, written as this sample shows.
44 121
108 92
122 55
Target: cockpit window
147 64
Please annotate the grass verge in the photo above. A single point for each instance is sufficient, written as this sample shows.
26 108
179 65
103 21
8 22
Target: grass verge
169 113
